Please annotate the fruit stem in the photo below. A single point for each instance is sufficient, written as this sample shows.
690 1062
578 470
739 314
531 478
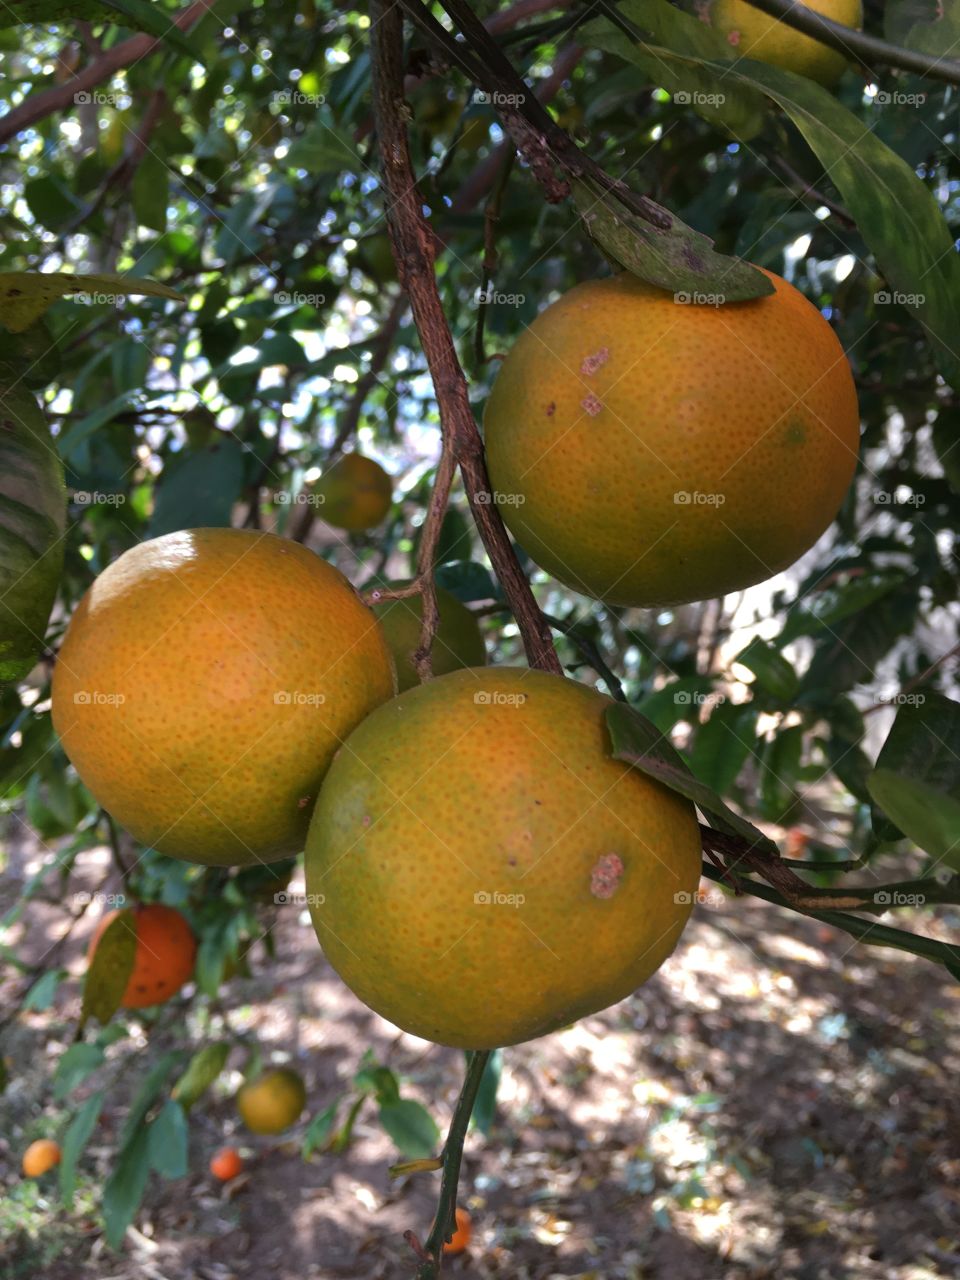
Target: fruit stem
444 1222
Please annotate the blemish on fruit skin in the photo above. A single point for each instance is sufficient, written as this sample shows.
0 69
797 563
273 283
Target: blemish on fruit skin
303 802
733 38
592 363
590 404
796 432
551 408
366 820
606 875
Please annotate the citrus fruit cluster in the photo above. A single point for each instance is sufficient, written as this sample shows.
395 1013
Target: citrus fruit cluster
229 698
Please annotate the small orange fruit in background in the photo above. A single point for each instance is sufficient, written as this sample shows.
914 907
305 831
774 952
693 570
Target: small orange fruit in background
461 1237
528 879
204 683
40 1156
165 955
226 1164
272 1102
652 451
356 493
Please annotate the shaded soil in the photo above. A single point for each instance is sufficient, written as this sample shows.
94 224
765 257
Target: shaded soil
777 1102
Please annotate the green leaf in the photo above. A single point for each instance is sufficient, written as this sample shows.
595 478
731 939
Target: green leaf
75 1140
168 1141
140 15
678 259
678 700
468 581
124 1188
918 775
203 1068
148 1093
199 488
485 1107
823 609
780 772
73 1067
26 295
722 745
897 215
639 743
411 1127
110 969
150 192
319 1130
41 994
931 26
774 673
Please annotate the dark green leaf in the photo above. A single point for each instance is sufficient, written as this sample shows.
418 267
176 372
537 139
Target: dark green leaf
411 1127
110 969
203 1068
168 1141
468 581
73 1067
680 699
721 746
199 489
124 1188
74 1140
485 1107
41 994
775 675
150 192
319 1129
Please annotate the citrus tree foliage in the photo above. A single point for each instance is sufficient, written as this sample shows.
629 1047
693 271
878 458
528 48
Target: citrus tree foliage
236 170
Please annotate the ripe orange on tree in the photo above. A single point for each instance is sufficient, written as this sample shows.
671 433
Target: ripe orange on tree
356 493
204 683
165 955
272 1102
226 1164
464 914
40 1157
657 451
461 1237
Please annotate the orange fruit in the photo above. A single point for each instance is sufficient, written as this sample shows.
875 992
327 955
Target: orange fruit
650 452
461 1237
40 1157
482 871
758 35
355 493
204 683
165 955
272 1102
226 1164
458 642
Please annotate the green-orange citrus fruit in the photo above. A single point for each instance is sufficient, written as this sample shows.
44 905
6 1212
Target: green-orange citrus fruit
457 643
164 958
482 871
649 450
272 1102
356 493
759 35
205 681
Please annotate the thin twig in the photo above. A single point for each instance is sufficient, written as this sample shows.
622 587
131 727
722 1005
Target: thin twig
869 50
47 102
491 218
914 681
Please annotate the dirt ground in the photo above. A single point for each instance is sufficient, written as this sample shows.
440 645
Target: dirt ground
777 1102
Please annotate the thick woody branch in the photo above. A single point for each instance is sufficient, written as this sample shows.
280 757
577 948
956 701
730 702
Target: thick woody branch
414 248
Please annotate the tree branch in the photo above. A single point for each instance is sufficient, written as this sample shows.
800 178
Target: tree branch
40 105
414 248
